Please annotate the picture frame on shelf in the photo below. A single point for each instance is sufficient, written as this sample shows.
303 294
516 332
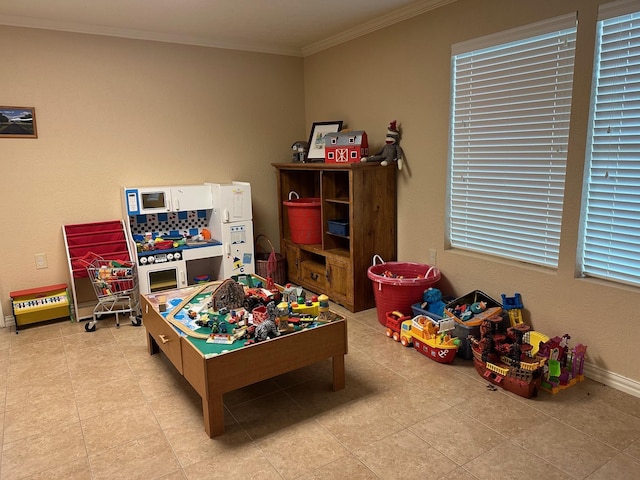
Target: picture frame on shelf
18 122
316 138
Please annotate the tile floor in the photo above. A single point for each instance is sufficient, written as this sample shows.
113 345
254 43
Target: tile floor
79 405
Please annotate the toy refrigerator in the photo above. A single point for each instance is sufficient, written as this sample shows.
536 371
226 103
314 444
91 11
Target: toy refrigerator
232 224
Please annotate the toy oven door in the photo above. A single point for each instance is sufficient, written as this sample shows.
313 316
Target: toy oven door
162 276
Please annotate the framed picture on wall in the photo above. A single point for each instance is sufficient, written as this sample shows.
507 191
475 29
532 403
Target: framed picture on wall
18 122
316 138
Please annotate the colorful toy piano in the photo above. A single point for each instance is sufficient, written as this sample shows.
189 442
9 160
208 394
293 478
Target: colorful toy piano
41 304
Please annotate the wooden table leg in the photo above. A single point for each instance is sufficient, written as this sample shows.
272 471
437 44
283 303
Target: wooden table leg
338 373
213 412
152 346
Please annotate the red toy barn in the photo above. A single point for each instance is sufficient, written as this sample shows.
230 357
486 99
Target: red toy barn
345 147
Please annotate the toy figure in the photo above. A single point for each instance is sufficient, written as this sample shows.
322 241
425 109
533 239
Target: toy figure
391 152
299 150
268 327
432 301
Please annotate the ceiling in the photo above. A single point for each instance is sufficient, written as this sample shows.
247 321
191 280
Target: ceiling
285 27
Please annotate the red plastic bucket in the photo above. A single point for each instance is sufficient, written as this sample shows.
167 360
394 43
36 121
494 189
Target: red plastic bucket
305 222
393 293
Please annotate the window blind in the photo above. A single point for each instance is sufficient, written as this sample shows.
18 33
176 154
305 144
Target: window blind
511 103
610 237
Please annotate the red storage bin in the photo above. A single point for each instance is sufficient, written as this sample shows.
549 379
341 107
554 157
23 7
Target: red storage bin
402 288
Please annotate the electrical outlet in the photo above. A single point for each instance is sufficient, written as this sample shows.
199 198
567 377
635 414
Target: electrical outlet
41 260
432 256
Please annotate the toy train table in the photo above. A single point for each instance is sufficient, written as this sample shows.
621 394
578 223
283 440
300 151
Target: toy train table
213 366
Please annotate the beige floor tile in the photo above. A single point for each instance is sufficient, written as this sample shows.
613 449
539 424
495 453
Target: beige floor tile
404 455
83 340
266 415
6 335
371 418
127 334
36 347
565 448
621 467
85 359
36 334
109 397
37 353
603 421
345 467
28 390
147 457
35 368
177 475
99 374
78 470
71 328
57 446
244 463
450 386
507 461
3 387
633 450
177 408
457 474
161 381
301 448
135 353
457 436
5 353
369 340
615 398
38 415
251 392
317 396
103 432
192 445
502 412
318 370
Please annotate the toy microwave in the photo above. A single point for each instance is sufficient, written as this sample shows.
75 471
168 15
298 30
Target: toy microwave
142 201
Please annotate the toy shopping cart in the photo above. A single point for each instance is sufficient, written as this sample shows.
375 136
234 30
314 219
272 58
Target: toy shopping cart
116 286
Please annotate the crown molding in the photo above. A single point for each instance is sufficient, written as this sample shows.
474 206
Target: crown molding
38 23
396 16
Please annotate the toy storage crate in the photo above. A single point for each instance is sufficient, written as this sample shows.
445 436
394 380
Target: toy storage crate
418 310
339 227
472 326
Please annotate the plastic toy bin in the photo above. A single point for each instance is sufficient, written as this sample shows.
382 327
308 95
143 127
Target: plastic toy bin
305 222
398 285
339 227
472 326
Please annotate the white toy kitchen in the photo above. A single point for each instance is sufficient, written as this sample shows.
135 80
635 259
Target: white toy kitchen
190 233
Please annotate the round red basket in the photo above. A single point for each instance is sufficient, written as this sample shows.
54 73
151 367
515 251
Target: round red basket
305 221
402 288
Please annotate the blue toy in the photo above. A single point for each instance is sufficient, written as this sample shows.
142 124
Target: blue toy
432 301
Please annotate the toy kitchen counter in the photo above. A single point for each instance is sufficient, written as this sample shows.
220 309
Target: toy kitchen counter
213 369
177 252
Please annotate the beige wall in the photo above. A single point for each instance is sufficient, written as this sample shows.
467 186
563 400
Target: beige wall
114 112
403 73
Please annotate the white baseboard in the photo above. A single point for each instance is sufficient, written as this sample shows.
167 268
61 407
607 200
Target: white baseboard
9 321
613 380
